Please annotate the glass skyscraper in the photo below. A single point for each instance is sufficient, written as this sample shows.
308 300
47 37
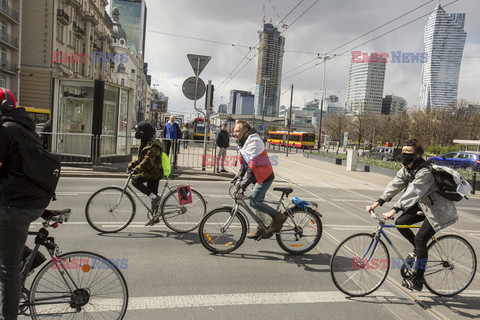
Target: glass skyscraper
241 102
133 18
444 42
269 71
365 87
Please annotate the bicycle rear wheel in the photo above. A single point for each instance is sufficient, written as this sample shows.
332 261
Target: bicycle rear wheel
353 271
79 285
451 265
220 232
183 218
304 237
110 210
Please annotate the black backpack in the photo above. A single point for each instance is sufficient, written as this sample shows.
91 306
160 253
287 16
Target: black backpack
39 166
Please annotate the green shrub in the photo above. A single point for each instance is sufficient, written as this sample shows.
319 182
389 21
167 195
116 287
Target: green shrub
440 150
329 155
380 163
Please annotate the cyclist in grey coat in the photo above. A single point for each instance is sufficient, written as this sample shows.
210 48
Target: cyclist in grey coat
419 201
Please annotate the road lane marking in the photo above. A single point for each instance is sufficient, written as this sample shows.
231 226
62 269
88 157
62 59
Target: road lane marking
236 299
273 298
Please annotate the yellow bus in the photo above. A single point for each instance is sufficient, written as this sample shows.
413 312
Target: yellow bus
39 115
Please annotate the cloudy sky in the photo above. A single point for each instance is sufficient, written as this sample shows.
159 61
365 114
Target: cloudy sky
227 30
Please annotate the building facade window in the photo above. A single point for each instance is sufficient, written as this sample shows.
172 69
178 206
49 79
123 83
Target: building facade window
3 56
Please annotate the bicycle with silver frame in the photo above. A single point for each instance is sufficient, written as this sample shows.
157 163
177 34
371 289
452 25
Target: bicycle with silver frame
224 229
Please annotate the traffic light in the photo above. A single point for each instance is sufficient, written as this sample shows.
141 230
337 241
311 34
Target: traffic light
209 96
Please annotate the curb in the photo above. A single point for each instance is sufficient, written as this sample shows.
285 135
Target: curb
186 175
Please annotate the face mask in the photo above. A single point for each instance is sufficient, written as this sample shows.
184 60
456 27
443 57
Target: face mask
407 158
138 135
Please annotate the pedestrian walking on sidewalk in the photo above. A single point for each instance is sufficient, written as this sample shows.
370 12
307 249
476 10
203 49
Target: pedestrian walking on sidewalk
171 133
185 136
223 142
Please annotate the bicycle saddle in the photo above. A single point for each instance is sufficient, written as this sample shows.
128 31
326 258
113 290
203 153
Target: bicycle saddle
287 190
48 214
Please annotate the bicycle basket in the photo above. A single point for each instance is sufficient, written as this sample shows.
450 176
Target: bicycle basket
300 203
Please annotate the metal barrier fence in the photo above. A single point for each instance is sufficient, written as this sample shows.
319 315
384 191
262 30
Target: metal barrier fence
80 148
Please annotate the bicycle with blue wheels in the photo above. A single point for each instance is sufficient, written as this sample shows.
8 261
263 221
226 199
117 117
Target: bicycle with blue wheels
360 264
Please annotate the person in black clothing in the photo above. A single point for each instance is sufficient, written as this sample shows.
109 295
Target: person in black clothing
223 142
21 202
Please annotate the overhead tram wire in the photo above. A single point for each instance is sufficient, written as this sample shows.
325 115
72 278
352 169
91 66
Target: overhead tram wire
383 25
379 36
308 9
387 23
395 29
199 39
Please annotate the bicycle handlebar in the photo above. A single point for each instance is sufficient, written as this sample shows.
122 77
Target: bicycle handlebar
374 216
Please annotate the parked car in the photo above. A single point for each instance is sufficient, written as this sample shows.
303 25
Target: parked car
384 153
458 160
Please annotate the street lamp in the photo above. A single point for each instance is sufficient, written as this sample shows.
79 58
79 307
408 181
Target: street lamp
325 58
264 101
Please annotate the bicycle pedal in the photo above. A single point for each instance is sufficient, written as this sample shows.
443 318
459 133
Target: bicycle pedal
267 236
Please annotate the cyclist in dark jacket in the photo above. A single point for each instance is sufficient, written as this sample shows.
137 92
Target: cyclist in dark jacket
148 165
21 202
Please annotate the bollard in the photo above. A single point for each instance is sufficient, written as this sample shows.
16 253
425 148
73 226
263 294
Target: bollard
474 182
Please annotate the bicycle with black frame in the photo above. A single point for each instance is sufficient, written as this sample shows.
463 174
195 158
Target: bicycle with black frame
73 285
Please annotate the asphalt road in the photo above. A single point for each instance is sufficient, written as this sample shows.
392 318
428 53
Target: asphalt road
171 276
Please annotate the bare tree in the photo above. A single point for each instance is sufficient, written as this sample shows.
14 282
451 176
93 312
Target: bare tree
335 126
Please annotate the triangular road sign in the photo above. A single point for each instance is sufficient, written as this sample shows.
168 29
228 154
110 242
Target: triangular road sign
198 62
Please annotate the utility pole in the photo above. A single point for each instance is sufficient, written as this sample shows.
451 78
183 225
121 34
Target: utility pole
325 58
289 120
264 102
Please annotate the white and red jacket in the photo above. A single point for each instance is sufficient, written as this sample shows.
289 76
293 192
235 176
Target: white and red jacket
254 160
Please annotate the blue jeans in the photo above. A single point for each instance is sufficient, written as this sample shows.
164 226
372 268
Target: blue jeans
14 224
257 196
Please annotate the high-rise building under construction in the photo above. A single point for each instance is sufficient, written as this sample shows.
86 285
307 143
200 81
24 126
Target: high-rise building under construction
269 71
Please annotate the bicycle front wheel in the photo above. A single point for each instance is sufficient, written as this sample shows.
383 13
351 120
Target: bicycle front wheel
183 218
451 265
79 285
302 236
110 210
220 232
355 270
